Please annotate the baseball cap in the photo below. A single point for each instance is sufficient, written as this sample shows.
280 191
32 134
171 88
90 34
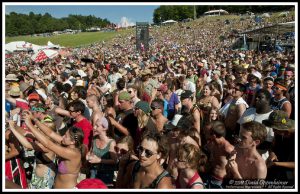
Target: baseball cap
124 96
186 94
33 96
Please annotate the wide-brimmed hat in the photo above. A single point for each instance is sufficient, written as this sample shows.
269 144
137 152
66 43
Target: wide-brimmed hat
146 72
14 91
24 86
279 120
11 77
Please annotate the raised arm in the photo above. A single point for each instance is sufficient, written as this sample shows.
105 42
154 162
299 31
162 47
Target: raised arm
48 131
61 151
19 136
63 112
120 127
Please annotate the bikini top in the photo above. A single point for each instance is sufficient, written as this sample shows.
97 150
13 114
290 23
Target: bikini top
62 169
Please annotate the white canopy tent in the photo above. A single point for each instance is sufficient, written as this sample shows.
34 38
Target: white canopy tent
44 54
21 46
51 45
266 15
216 12
169 22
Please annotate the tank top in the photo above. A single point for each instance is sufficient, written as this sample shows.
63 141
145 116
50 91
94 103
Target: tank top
277 105
191 182
103 154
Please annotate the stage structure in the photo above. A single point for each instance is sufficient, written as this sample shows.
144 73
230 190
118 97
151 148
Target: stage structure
142 36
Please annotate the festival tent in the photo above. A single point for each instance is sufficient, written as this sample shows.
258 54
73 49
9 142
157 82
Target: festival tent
169 22
21 46
265 15
51 45
284 14
44 54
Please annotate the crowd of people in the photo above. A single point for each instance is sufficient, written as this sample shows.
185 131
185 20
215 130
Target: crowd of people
188 113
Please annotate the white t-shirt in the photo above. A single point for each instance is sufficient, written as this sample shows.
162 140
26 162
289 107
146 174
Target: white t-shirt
251 115
190 86
106 86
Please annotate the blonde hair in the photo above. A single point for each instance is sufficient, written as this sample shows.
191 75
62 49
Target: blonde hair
142 119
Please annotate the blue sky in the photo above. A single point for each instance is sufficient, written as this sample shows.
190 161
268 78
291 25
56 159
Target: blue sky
114 13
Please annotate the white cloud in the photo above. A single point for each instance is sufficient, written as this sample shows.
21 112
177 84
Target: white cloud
125 22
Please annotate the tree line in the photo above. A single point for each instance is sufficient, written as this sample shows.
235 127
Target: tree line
23 24
179 12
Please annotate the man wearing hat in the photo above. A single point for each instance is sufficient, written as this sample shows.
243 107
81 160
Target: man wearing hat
39 112
191 109
125 123
281 162
279 101
10 80
32 99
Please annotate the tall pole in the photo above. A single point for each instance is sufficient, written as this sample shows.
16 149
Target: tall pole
194 12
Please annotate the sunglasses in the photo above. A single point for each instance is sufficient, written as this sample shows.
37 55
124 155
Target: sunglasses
148 153
275 88
120 150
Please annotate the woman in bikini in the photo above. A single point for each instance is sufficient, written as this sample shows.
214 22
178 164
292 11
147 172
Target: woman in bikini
151 174
68 148
188 157
44 167
207 102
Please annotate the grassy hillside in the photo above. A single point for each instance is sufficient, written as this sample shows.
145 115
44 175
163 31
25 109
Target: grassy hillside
70 40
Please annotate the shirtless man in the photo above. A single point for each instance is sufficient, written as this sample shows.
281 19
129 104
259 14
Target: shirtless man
220 153
93 103
160 120
235 111
248 163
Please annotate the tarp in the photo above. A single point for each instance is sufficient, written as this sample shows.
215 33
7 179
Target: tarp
44 54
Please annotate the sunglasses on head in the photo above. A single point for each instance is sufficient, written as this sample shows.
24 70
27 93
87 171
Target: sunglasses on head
148 153
120 150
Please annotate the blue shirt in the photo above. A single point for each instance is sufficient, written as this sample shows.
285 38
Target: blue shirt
173 101
166 108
